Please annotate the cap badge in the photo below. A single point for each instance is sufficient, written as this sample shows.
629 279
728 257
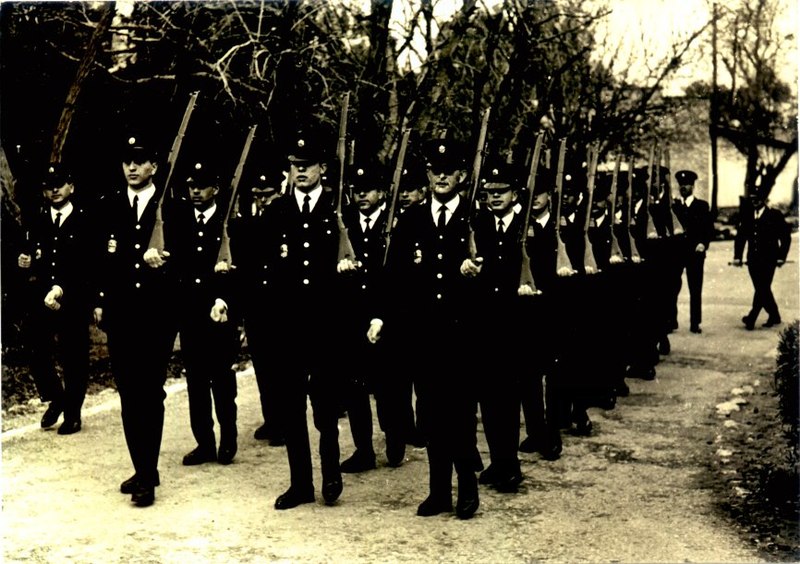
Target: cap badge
51 170
495 172
301 143
131 140
198 166
360 172
442 149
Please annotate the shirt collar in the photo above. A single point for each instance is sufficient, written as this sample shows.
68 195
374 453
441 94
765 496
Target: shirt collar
450 206
507 218
207 213
543 219
688 200
373 217
314 194
144 195
64 211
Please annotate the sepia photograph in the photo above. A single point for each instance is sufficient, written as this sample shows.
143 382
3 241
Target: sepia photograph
367 281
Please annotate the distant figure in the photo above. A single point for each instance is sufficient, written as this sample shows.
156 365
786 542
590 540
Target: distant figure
695 217
58 261
766 234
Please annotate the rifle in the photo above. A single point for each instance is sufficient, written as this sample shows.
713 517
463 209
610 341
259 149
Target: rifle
563 264
616 252
224 255
395 192
677 226
477 163
526 275
157 235
635 256
589 262
650 226
346 250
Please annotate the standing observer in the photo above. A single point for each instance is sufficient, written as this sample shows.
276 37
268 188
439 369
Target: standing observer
695 217
765 233
135 308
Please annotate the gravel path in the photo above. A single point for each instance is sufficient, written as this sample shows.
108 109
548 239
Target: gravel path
638 490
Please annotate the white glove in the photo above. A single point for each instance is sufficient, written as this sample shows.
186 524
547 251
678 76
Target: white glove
52 297
223 266
471 267
616 259
700 248
97 314
154 259
24 260
347 265
219 311
565 271
526 290
374 331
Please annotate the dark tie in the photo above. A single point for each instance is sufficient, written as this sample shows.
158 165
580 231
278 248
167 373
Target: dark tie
306 205
135 208
366 224
501 227
201 219
57 221
442 221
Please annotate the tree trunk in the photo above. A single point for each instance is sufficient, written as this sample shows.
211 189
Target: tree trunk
84 69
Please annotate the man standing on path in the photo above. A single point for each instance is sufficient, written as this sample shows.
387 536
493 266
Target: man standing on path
695 217
135 309
766 234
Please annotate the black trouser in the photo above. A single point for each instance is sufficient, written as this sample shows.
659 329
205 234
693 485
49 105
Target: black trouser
261 351
303 373
62 335
447 401
209 351
761 274
139 361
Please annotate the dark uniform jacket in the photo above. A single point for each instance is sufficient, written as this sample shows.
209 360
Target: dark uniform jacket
767 238
125 280
63 256
696 222
360 287
498 280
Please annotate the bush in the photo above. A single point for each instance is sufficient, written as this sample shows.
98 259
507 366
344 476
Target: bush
787 384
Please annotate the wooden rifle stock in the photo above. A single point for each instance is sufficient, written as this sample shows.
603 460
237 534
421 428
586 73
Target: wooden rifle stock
589 262
562 258
650 226
395 192
346 250
224 254
635 256
477 163
616 251
525 274
157 235
677 226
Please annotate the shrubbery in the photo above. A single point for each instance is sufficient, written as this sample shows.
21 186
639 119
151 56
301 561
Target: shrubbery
787 384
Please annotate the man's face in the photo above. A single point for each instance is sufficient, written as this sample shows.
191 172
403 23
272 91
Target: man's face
263 197
443 183
498 200
756 201
58 196
686 190
409 197
139 174
540 202
202 196
368 199
599 207
306 175
568 202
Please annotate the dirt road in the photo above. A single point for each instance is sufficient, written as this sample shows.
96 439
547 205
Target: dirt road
638 490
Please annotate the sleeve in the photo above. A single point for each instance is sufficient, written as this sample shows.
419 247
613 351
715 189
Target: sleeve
784 236
707 226
739 243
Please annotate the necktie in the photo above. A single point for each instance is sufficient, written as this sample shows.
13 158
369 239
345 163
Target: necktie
57 221
366 224
442 220
201 219
306 204
500 226
135 208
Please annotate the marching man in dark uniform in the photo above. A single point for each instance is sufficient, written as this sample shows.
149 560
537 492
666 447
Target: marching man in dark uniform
500 321
366 220
302 240
695 218
765 233
426 255
60 316
136 311
209 339
255 264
